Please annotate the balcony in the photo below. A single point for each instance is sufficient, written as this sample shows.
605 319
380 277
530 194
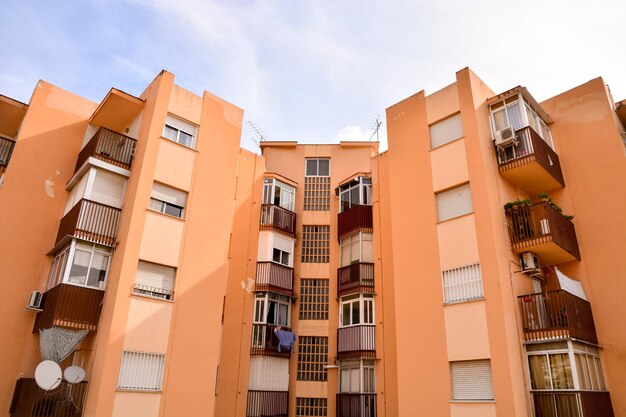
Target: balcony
88 220
556 315
109 146
356 342
267 404
532 164
356 405
6 150
572 404
541 229
355 278
279 219
29 400
359 217
70 306
265 341
275 277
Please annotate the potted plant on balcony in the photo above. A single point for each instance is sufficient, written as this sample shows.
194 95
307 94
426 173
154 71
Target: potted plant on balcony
517 203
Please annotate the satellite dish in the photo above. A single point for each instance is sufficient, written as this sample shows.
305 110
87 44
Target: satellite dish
48 375
74 374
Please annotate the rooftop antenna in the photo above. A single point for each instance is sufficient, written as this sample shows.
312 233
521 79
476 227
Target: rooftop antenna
376 127
256 129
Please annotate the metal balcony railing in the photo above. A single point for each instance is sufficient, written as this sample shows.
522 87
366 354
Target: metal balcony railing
359 217
356 341
70 306
267 404
355 278
356 405
265 342
109 146
92 221
275 277
31 401
572 404
279 218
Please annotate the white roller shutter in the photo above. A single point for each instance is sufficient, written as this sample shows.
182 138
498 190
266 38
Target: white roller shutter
268 374
141 371
446 131
181 124
169 195
454 203
471 380
155 278
108 188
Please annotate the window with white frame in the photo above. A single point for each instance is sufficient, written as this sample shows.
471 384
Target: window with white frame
471 380
515 112
180 131
275 247
358 376
154 280
356 309
454 202
272 308
357 192
317 167
462 284
445 131
168 200
281 257
141 371
356 248
278 193
80 263
317 184
98 185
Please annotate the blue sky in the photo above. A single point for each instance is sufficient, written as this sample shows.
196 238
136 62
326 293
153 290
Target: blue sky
313 71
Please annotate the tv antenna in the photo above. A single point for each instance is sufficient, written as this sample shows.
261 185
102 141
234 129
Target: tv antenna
260 135
375 128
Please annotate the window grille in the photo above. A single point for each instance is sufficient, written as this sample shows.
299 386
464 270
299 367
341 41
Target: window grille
312 356
315 244
141 371
311 407
313 299
462 284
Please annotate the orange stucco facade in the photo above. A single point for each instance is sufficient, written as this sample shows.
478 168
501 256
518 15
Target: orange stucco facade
441 277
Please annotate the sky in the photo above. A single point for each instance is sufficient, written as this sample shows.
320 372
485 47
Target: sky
314 71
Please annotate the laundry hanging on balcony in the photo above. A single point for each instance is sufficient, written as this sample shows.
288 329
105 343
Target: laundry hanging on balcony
286 339
570 285
56 343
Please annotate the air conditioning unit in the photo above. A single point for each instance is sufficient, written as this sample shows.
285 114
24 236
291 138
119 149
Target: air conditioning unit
34 301
506 137
530 263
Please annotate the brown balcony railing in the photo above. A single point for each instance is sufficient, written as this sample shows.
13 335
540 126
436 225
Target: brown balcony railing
572 404
6 150
275 277
355 278
88 220
109 146
70 306
359 217
356 341
530 148
556 315
356 405
265 342
31 401
540 223
267 404
276 217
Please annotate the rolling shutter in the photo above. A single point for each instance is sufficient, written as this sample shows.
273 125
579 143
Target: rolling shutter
454 203
446 131
169 195
471 380
158 277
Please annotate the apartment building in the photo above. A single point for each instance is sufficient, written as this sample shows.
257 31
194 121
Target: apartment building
445 276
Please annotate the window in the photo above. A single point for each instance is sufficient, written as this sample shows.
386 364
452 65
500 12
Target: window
313 299
356 309
317 185
180 131
272 308
446 131
311 407
315 244
80 264
471 380
168 200
454 202
318 167
357 248
278 193
550 371
312 356
281 256
357 377
141 371
462 284
154 280
507 113
357 192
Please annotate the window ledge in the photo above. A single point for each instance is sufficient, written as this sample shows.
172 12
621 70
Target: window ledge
454 218
169 216
473 300
141 391
473 401
180 144
150 297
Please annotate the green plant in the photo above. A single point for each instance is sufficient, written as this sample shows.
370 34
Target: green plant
569 217
517 202
543 196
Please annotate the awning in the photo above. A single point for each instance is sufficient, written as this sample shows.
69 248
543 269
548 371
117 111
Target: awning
570 285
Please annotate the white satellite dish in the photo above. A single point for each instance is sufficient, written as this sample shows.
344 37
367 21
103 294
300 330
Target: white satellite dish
48 375
74 374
